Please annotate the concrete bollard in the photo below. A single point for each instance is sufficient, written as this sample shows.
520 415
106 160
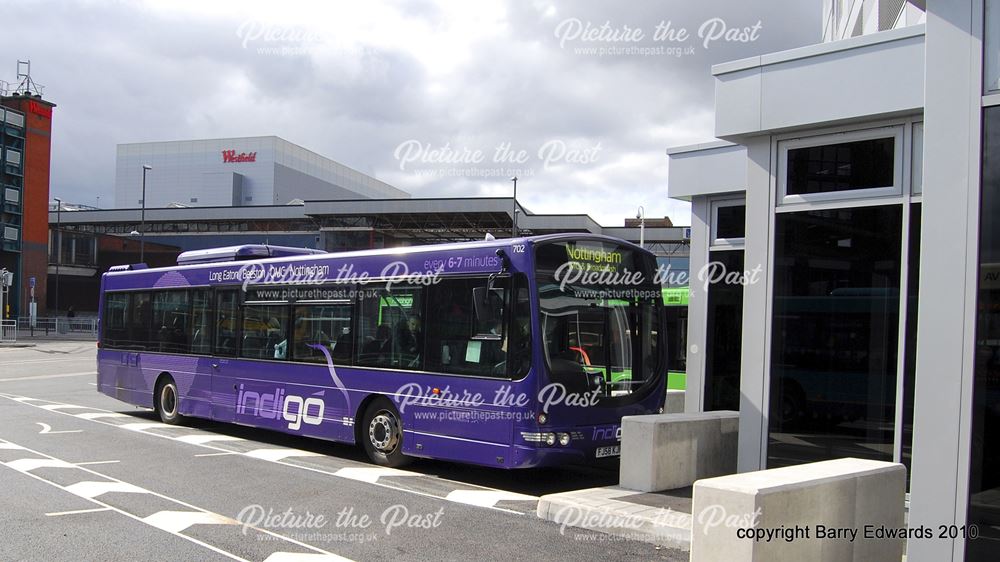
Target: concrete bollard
669 451
838 510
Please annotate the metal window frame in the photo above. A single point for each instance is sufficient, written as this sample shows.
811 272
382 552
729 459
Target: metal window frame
716 243
897 132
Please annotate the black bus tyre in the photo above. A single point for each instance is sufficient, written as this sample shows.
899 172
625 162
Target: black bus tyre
167 401
381 434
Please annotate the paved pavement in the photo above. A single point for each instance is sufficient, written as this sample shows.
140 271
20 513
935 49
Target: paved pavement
83 476
662 518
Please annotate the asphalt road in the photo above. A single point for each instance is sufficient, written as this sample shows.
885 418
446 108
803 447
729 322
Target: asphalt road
85 477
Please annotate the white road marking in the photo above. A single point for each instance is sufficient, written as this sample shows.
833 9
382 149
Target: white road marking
50 360
77 511
89 463
177 521
218 454
96 415
146 425
275 455
41 377
47 429
367 474
25 465
202 439
10 446
51 407
303 557
371 474
60 360
91 490
26 399
485 498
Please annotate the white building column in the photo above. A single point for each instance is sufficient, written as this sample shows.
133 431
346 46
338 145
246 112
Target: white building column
694 393
948 264
756 301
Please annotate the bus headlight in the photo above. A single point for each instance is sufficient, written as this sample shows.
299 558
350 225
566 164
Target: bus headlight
533 437
542 418
564 439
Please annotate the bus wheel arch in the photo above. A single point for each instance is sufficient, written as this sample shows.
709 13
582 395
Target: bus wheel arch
359 417
378 428
166 399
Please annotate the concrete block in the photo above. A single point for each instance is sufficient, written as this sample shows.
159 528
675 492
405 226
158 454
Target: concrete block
668 451
818 511
674 403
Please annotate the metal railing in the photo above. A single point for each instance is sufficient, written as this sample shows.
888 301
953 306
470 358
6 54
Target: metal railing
8 331
58 325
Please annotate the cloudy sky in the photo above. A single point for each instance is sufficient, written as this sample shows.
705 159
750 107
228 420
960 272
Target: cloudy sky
437 97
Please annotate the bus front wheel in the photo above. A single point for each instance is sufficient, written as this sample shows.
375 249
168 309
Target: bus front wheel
382 434
167 402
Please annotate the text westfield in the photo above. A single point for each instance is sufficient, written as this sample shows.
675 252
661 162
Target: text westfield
230 156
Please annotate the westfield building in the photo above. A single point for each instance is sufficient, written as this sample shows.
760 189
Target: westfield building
236 172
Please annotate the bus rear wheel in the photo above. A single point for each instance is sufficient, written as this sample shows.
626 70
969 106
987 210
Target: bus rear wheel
382 434
167 401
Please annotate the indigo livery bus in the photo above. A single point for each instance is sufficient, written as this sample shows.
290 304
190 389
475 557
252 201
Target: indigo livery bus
509 353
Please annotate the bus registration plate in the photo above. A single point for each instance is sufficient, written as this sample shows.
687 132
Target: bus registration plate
612 451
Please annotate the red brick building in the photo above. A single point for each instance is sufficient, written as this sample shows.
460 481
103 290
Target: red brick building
25 203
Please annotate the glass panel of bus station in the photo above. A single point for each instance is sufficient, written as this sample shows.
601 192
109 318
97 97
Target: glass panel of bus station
984 474
724 341
835 331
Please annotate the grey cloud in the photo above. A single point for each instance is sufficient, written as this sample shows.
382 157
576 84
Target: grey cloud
123 74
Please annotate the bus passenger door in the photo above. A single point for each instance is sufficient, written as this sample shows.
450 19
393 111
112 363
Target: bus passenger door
468 416
226 343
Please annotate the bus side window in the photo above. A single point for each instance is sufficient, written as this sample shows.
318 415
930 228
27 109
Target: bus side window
170 320
115 322
138 336
461 341
226 322
390 328
199 328
265 331
322 325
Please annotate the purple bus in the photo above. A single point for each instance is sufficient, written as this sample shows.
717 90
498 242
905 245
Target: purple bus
509 353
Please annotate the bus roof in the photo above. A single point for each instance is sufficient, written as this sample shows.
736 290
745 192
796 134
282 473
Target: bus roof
398 251
244 252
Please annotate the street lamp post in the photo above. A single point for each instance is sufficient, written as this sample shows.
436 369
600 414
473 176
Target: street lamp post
641 217
142 216
513 230
57 239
